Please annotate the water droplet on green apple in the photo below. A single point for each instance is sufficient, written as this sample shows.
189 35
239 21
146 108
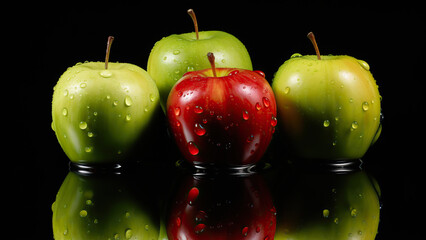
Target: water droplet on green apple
65 92
295 55
128 117
287 90
65 112
115 103
365 106
52 125
176 52
88 149
190 69
354 125
106 73
128 101
151 97
326 123
90 134
325 213
364 65
336 221
192 148
83 85
128 233
82 125
83 213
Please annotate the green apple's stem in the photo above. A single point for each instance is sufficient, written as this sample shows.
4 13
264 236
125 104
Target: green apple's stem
194 19
311 37
211 58
109 42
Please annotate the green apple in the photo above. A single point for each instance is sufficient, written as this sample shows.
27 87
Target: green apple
106 207
328 106
175 55
100 110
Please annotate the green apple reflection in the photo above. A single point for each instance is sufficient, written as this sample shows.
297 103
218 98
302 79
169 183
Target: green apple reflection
105 207
327 206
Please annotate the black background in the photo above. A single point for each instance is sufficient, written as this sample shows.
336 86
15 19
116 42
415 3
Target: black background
390 37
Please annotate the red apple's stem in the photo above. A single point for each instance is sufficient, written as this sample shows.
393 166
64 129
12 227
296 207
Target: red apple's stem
311 37
194 19
109 42
210 56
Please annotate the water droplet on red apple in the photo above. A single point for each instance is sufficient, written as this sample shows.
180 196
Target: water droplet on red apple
192 195
178 221
274 121
199 130
192 148
244 232
266 102
177 111
233 72
258 107
199 228
250 138
198 110
180 94
178 124
260 73
245 115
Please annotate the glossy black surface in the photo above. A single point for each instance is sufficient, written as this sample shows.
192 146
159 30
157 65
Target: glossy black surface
48 39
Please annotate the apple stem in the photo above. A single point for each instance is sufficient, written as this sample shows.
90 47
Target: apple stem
311 37
108 49
194 19
211 58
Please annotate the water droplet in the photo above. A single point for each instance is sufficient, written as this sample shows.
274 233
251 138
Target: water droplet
287 90
128 233
192 195
199 228
65 112
326 123
88 149
296 55
365 106
190 68
244 232
115 103
177 111
199 130
336 221
258 107
128 101
245 115
116 236
353 212
351 100
325 213
198 110
89 202
83 213
65 92
82 125
128 117
106 73
193 149
260 73
266 102
258 229
83 85
178 124
274 121
178 221
151 97
364 65
250 138
354 125
71 96
176 52
233 72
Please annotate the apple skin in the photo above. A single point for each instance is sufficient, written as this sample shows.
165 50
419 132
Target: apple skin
224 121
222 207
175 55
99 114
328 108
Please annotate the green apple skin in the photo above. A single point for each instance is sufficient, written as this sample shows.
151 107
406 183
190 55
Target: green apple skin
99 114
328 108
105 207
173 56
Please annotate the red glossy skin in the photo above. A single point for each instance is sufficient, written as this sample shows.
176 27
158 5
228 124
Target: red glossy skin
225 120
225 208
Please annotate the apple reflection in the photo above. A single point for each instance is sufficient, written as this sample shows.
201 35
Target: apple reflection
107 206
221 207
332 203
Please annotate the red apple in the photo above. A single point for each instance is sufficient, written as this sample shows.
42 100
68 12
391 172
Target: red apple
223 116
225 207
